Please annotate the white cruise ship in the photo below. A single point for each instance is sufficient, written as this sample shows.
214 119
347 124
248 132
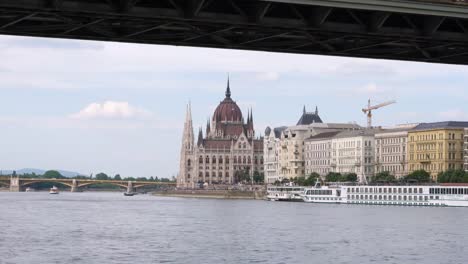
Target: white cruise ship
416 195
285 193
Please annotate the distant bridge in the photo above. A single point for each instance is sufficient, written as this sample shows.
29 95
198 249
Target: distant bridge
414 30
16 184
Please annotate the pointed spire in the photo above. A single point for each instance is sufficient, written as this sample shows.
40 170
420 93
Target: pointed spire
304 110
251 116
208 128
200 137
316 110
228 89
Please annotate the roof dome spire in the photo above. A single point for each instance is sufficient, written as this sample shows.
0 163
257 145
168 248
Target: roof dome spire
228 89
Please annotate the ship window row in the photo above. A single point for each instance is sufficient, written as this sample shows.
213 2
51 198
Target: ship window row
319 192
390 197
448 191
385 190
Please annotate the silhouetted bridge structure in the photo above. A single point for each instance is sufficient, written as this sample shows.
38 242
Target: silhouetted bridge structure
414 30
16 184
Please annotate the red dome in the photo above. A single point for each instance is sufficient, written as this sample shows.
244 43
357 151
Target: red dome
227 110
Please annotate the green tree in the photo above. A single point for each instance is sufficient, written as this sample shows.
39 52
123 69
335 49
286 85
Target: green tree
311 179
102 176
349 177
333 177
52 174
384 176
258 177
300 181
418 176
117 177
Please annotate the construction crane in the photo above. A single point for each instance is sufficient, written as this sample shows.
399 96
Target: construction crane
369 109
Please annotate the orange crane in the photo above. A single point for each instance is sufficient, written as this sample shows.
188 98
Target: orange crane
369 109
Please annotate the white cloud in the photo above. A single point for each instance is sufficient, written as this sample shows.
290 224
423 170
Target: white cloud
268 76
454 115
111 110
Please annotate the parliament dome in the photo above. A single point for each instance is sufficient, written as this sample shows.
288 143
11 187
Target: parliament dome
227 110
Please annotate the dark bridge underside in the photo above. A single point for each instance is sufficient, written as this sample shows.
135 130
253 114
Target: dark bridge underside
302 26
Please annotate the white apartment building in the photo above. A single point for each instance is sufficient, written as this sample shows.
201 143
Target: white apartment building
391 151
318 151
353 152
289 160
465 164
271 145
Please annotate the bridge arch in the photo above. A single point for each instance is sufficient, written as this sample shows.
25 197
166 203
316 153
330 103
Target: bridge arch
101 182
45 181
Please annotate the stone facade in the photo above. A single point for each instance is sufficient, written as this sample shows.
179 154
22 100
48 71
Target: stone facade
353 152
465 165
288 143
391 149
228 150
436 147
318 153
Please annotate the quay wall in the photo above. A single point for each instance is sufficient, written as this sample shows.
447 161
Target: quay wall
213 194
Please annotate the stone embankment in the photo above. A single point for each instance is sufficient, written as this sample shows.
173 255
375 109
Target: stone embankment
214 194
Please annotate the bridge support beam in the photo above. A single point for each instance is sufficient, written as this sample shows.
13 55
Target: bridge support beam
14 184
74 187
130 187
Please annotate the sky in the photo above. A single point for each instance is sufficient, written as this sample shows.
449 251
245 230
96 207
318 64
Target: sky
93 107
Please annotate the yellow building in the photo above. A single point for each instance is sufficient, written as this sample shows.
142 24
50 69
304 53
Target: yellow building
436 147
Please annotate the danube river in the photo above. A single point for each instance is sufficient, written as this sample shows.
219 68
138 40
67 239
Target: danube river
110 228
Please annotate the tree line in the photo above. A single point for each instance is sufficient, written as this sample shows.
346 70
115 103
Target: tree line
418 176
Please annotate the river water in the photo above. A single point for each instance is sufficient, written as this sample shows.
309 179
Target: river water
110 228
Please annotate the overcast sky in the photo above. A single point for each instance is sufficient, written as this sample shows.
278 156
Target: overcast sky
119 108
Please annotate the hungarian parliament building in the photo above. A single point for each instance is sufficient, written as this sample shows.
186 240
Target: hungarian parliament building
226 150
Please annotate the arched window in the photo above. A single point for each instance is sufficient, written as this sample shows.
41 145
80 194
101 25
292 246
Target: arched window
244 145
213 159
249 160
207 174
200 159
227 174
244 160
226 159
220 160
255 160
207 159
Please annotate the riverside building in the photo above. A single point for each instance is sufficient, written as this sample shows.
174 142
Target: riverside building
436 147
289 159
228 149
391 151
466 150
353 152
319 153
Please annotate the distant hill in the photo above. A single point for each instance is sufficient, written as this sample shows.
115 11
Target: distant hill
65 173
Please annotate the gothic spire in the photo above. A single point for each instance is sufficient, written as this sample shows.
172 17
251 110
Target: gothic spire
316 110
304 110
228 89
208 128
200 137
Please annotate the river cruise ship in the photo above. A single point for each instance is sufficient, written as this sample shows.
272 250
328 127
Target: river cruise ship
416 195
285 193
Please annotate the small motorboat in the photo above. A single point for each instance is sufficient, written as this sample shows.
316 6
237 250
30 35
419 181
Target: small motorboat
29 189
54 190
129 193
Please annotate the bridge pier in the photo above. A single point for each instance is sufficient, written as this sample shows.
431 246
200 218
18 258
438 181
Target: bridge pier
74 187
130 187
14 184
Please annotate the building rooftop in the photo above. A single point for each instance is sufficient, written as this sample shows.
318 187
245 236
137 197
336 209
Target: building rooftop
441 125
308 118
323 135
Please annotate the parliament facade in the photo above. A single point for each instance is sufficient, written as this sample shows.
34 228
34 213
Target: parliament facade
226 152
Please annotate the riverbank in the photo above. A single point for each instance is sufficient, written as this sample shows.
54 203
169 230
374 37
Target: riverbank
213 194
